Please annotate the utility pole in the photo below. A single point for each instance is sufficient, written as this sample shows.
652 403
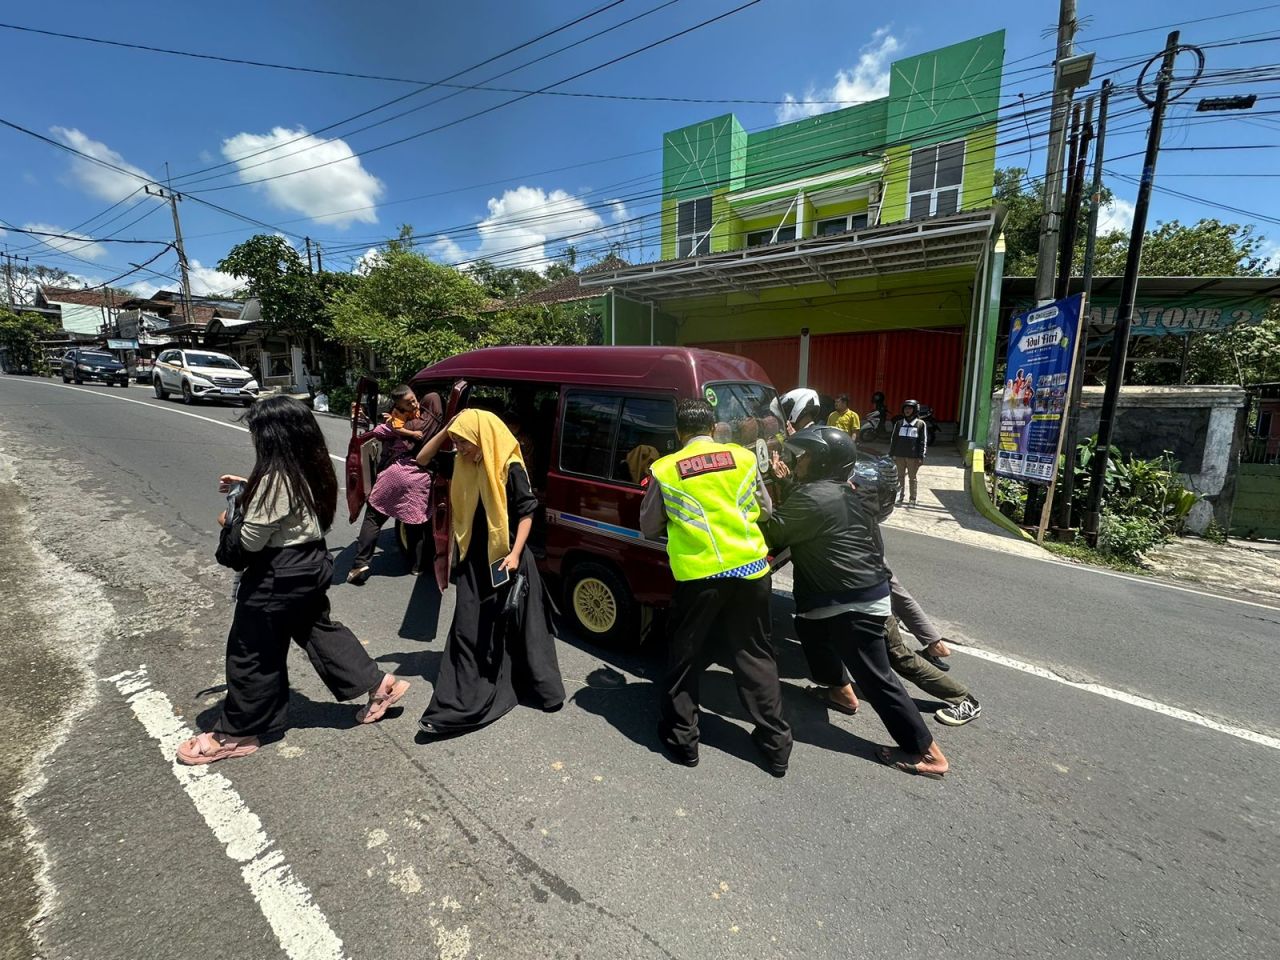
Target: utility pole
1068 478
1129 288
1051 219
173 198
310 269
319 268
1081 136
8 270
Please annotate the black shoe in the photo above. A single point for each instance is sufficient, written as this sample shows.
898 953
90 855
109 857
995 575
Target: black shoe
958 714
681 755
778 770
938 662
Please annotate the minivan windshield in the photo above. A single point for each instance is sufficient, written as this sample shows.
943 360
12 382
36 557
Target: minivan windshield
211 360
742 412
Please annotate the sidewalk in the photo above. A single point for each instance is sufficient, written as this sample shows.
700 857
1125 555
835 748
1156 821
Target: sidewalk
944 509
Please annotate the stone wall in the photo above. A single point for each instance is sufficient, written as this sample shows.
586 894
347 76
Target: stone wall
1201 426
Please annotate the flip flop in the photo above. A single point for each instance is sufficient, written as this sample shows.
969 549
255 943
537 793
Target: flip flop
823 696
207 748
885 756
373 711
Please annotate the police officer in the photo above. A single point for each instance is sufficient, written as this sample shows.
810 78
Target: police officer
707 499
842 588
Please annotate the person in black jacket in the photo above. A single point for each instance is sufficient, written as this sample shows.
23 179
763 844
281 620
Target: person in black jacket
908 446
842 587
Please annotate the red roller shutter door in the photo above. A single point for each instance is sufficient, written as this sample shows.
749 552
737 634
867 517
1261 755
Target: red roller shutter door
924 365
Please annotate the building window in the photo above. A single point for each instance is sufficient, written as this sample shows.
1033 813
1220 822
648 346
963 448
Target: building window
693 227
760 237
936 177
827 228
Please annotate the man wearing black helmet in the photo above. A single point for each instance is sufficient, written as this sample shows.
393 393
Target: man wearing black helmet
908 446
842 585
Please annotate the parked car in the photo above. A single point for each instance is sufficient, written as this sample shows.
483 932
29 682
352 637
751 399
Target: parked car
592 420
202 375
81 364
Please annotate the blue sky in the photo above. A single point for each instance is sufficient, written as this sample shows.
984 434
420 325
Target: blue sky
511 184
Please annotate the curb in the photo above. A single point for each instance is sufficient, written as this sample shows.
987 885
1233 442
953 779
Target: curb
975 479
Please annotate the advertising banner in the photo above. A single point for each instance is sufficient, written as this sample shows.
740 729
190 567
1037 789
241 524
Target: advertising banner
1042 343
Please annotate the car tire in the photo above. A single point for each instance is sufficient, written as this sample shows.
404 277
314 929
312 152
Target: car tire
158 387
65 378
124 383
79 382
187 396
600 606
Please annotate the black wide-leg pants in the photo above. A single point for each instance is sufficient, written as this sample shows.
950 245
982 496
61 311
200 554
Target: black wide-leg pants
856 642
287 600
724 620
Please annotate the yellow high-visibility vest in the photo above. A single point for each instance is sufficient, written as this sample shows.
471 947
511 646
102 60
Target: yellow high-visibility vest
709 493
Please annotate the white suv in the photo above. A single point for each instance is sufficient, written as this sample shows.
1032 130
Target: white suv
202 375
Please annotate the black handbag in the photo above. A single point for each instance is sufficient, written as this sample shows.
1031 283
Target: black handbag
515 595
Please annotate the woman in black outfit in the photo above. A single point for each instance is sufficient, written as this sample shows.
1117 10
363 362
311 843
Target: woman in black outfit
500 650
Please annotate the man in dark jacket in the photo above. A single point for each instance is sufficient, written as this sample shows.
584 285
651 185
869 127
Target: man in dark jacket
842 586
908 446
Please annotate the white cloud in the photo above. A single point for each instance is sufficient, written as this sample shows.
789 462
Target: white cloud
82 247
1117 215
444 250
868 79
522 221
343 186
107 184
211 282
619 210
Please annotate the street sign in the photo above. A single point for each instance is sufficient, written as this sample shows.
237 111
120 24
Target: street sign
1042 346
122 344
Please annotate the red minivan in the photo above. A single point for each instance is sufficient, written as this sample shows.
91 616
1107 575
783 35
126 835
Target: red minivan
590 420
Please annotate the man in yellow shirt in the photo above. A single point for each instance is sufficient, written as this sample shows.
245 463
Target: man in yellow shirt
845 418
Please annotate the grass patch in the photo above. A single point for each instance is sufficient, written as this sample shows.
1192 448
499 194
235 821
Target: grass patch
1083 553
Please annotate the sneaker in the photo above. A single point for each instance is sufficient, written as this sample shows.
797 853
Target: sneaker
958 714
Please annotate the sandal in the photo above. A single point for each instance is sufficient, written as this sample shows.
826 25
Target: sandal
381 702
823 696
212 747
358 575
886 756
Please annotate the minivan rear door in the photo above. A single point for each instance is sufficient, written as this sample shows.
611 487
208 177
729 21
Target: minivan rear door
364 450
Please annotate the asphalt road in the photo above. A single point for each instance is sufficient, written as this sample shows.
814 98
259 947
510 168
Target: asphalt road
1074 824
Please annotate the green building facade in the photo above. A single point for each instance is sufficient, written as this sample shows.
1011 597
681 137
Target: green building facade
851 251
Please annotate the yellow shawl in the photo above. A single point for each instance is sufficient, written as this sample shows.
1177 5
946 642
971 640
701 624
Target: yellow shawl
485 481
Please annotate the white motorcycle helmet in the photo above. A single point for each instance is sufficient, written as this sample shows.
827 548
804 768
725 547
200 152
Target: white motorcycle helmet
792 405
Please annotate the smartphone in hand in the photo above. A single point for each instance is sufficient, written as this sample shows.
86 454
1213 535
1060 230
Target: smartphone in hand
498 575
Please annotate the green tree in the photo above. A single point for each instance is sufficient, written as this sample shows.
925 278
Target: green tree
1023 200
557 324
409 310
273 271
505 283
1209 248
20 336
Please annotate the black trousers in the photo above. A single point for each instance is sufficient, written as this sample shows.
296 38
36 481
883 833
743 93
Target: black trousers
367 539
856 641
726 620
257 661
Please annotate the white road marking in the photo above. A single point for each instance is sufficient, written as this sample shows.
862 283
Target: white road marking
1155 706
153 406
299 926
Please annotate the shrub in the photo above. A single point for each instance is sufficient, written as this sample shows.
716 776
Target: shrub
1128 537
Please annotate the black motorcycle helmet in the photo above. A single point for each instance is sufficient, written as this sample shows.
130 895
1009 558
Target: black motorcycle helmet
914 405
831 452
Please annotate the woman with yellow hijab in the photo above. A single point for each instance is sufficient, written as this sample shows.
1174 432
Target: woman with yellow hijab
495 656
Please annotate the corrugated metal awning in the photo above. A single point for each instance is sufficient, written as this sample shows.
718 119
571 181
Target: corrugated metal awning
959 240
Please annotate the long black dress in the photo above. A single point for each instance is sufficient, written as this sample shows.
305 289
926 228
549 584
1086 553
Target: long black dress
490 662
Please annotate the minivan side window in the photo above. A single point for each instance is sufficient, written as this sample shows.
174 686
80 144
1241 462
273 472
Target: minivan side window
646 432
586 438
